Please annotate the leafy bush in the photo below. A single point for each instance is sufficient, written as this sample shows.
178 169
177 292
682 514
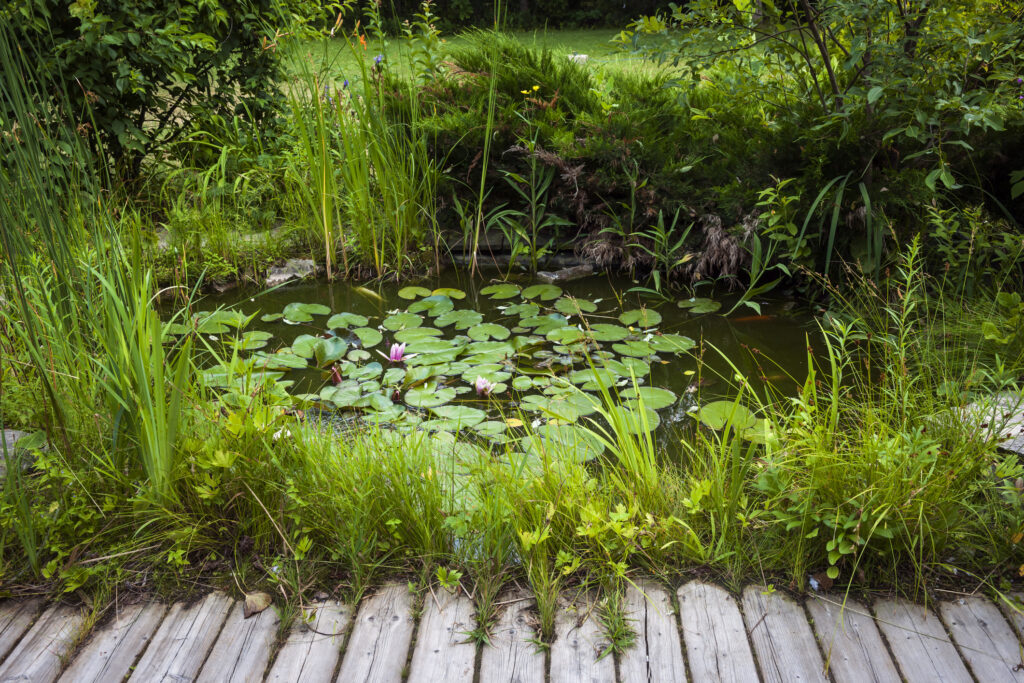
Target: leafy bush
145 72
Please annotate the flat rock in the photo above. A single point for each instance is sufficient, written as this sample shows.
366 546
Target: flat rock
566 274
1003 416
293 269
13 451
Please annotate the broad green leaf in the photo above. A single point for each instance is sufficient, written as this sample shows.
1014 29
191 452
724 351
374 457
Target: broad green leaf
642 317
542 292
488 331
500 291
718 414
401 321
410 293
346 320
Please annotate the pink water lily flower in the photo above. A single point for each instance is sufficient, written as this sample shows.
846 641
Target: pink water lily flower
397 353
483 386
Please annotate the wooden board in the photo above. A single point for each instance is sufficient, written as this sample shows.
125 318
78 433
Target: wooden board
179 648
242 652
853 647
39 654
1015 613
579 644
657 654
114 648
379 645
985 639
716 642
919 643
782 638
443 651
311 652
15 618
511 657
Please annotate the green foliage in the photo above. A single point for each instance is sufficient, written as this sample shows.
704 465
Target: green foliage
145 73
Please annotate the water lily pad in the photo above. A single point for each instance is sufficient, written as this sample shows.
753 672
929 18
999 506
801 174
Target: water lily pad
490 428
718 414
671 343
568 406
364 372
414 334
542 292
524 310
449 292
435 358
174 329
630 417
209 325
568 305
342 396
642 317
605 332
462 319
563 442
410 293
593 379
464 416
522 383
368 336
346 320
252 340
429 396
652 397
566 335
434 305
401 321
395 376
296 312
280 361
429 346
500 291
542 324
386 416
358 355
329 350
488 331
303 345
628 366
699 304
638 348
760 432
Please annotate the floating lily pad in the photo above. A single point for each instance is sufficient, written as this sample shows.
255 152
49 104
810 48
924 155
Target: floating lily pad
642 317
638 348
568 305
208 325
253 339
542 292
296 312
568 406
699 304
428 346
718 414
450 292
434 305
630 417
671 343
500 291
271 317
429 396
563 442
760 432
401 321
462 319
395 376
414 334
346 320
652 397
522 383
524 310
280 361
593 379
410 293
342 396
303 345
628 366
488 331
542 324
605 332
566 335
463 416
490 428
329 350
364 372
368 336
358 355
386 416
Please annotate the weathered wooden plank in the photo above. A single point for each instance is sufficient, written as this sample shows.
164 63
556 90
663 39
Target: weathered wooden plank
38 655
1015 613
854 649
782 638
113 649
511 657
657 654
579 644
379 645
312 650
242 652
15 618
443 651
919 644
716 642
986 640
177 651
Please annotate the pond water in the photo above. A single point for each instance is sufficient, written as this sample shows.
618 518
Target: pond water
481 353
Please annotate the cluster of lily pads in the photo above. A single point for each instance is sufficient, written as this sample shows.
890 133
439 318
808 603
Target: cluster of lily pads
547 358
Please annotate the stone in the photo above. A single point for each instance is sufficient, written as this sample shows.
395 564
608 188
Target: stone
293 269
1002 415
566 274
13 451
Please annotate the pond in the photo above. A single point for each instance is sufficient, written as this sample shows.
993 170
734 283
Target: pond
482 356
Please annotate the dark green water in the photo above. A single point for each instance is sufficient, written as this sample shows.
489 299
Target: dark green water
770 346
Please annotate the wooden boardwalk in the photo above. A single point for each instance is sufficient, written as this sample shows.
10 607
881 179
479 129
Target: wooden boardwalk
700 632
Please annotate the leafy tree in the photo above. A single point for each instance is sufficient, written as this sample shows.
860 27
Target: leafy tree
144 72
